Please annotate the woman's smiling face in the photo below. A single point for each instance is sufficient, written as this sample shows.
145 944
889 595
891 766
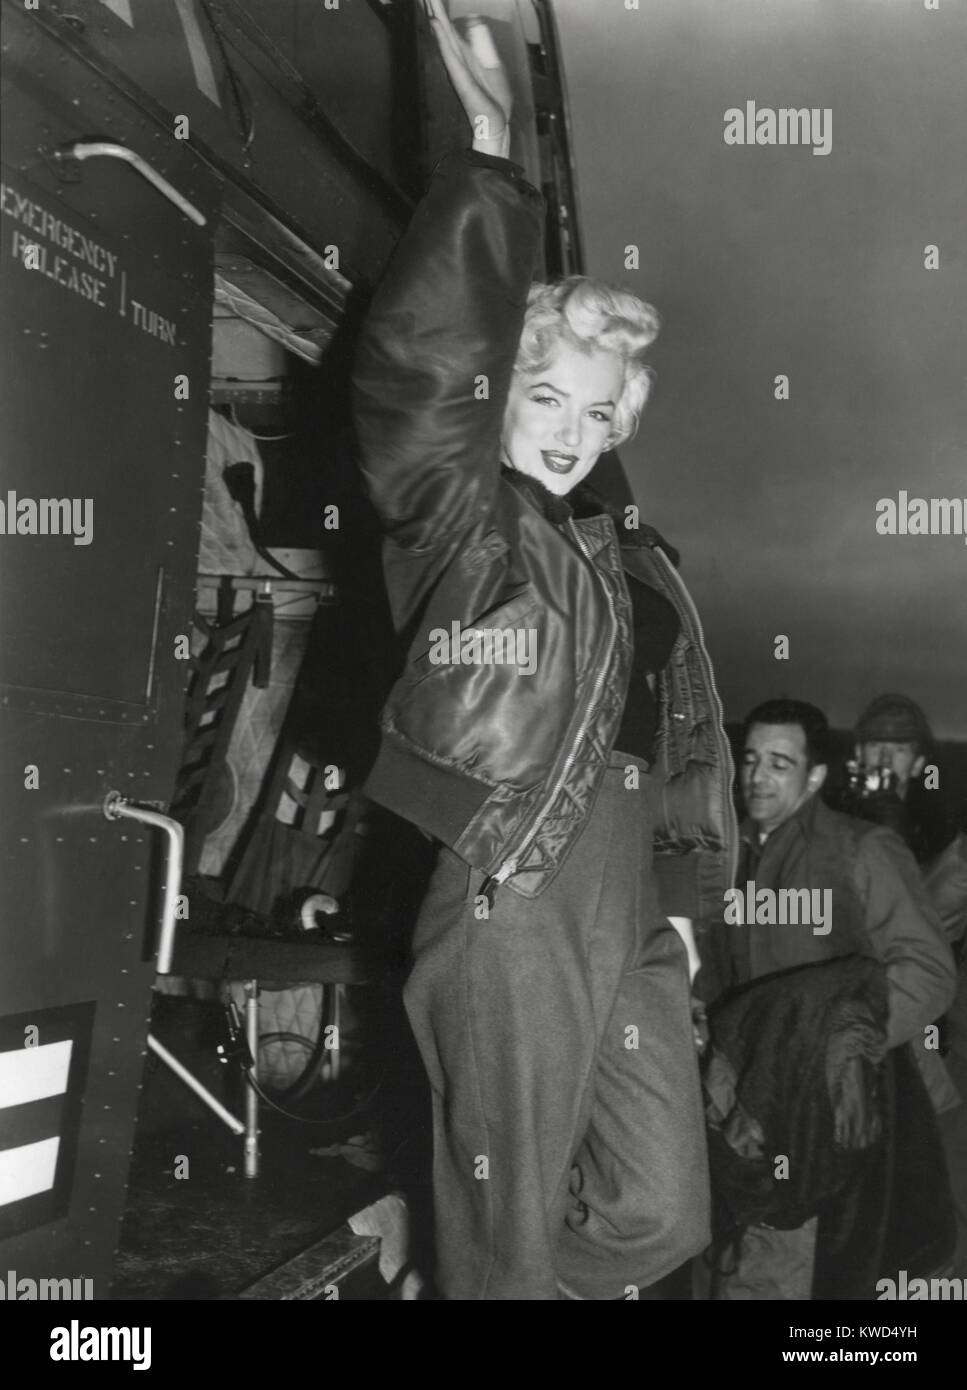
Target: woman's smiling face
560 419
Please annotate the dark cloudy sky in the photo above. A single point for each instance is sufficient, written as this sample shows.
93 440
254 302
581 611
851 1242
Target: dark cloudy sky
768 260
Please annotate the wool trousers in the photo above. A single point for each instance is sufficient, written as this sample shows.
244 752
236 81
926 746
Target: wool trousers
569 1141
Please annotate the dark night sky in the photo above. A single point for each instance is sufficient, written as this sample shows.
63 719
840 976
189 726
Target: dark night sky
768 259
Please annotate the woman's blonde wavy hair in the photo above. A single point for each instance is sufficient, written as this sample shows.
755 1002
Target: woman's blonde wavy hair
593 316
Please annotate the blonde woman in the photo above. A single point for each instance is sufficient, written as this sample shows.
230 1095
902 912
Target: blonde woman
581 797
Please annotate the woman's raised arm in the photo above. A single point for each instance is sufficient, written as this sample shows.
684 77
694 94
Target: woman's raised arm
438 347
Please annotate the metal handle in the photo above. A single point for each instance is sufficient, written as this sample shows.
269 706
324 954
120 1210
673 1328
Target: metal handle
117 808
110 149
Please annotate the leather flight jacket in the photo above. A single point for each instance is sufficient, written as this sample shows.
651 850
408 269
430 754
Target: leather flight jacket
500 763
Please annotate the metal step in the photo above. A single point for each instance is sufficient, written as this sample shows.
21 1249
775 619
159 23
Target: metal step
342 1266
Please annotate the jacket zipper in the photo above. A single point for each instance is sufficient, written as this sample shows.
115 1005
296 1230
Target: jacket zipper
679 587
509 866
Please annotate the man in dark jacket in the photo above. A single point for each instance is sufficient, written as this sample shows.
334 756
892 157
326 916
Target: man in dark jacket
814 885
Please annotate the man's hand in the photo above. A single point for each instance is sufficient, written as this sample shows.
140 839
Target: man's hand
478 78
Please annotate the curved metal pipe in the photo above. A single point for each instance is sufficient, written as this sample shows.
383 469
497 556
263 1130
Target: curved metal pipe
110 149
117 808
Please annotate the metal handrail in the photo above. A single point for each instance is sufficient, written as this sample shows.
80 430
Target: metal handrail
116 807
111 149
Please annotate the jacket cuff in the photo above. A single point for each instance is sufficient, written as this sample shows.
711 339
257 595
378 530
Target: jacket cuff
677 877
480 160
492 161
